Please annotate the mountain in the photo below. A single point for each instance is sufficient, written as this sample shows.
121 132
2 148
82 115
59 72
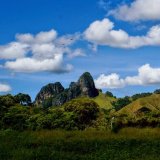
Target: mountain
142 106
48 91
54 94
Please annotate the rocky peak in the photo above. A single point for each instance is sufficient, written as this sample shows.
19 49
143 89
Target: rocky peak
87 85
48 91
54 94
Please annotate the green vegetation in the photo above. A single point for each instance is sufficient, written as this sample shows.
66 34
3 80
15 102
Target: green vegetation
76 114
129 143
140 95
77 123
104 101
121 102
83 128
151 102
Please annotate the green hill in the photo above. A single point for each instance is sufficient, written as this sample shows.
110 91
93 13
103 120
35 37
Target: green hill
142 105
104 101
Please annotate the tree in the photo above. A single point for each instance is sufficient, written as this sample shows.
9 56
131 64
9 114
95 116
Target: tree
7 100
121 102
109 94
23 99
140 95
16 118
84 110
157 91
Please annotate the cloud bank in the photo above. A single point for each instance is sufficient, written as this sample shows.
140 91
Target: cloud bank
138 10
146 76
44 51
103 33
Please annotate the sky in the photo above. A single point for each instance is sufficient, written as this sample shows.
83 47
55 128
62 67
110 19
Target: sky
45 41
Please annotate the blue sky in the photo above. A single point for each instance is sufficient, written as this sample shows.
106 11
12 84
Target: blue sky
44 41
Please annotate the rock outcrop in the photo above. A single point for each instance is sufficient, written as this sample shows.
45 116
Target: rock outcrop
55 94
87 85
48 91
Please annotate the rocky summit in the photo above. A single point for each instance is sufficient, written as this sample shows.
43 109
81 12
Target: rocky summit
48 91
54 94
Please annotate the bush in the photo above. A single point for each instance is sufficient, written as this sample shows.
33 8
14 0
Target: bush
84 110
16 118
121 102
109 94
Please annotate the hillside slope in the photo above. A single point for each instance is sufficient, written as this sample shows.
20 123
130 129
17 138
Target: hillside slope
142 105
104 101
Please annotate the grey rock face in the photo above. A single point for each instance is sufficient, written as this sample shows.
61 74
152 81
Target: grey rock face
87 85
49 91
56 95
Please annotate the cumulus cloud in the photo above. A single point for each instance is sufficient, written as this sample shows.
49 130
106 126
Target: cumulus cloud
103 33
109 81
68 39
138 10
13 50
34 65
42 37
38 53
146 76
5 87
77 53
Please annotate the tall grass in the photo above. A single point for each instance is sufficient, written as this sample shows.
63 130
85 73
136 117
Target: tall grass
128 144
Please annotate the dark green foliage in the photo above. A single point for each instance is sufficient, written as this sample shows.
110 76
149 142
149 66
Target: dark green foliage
157 91
121 102
85 111
23 99
16 118
109 94
7 100
140 95
128 144
76 114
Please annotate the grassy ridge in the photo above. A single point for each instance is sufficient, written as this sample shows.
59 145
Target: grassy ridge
151 102
104 101
129 144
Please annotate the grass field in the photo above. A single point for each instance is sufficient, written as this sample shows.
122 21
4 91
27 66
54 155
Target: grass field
128 144
104 101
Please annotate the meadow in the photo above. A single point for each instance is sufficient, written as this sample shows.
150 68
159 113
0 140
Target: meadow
127 144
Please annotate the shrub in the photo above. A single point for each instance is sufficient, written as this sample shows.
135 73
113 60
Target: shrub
84 110
16 118
121 102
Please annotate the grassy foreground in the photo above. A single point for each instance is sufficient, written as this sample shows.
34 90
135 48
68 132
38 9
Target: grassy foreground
128 144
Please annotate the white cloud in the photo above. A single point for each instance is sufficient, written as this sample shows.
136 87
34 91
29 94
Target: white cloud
40 38
77 53
29 65
25 38
5 88
68 39
146 76
38 53
103 33
109 81
13 50
138 10
46 37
